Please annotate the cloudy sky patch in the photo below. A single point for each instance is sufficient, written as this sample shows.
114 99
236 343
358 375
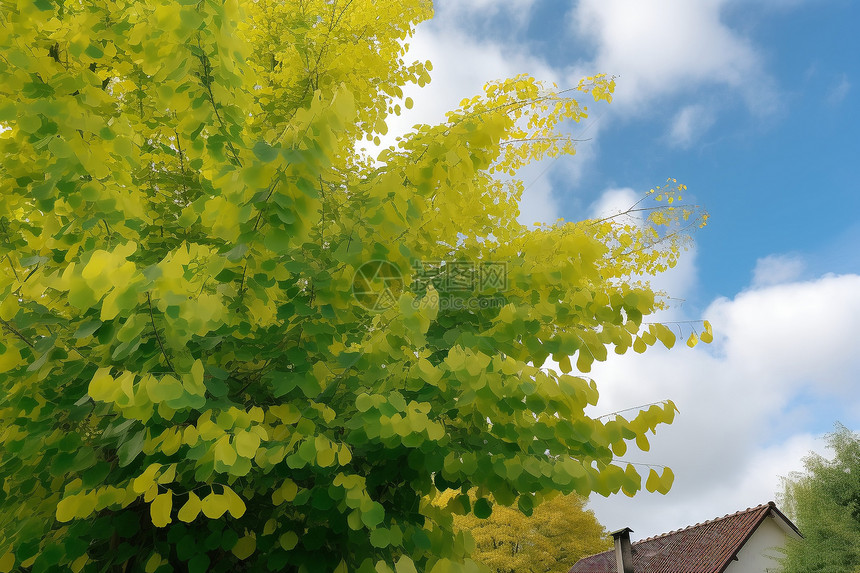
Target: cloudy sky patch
776 272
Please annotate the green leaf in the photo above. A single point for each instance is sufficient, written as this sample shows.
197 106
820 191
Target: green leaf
131 448
379 538
405 565
199 563
288 540
265 152
482 508
374 515
245 547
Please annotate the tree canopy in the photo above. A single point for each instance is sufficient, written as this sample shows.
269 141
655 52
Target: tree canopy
230 341
559 533
824 503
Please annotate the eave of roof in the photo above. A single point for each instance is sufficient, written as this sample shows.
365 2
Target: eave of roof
664 553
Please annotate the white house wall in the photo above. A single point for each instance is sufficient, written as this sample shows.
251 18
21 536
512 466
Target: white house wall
761 551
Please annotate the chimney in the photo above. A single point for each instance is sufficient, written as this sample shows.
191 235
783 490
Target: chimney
623 551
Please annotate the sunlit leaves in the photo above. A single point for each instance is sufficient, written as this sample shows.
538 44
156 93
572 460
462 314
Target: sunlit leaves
192 507
659 482
557 534
184 210
160 508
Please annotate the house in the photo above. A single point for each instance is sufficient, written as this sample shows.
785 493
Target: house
744 542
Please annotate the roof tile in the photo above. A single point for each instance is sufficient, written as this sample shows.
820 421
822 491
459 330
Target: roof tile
702 548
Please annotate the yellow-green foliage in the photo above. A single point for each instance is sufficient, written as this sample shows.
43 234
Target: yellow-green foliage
556 535
187 380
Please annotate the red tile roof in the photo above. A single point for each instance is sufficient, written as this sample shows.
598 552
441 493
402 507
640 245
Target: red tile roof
702 548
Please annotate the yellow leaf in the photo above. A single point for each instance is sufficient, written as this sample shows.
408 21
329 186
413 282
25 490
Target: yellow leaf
664 334
9 359
235 505
288 540
708 335
145 480
169 475
67 508
189 437
584 360
9 307
151 493
172 442
247 443
79 563
153 563
224 452
245 547
564 364
7 562
652 483
289 490
192 507
160 508
214 506
344 456
193 381
666 481
693 340
102 386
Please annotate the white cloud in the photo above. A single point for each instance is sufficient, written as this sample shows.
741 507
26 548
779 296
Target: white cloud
614 202
462 64
662 47
782 369
839 92
776 269
689 124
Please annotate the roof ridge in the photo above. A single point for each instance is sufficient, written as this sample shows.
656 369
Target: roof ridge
769 504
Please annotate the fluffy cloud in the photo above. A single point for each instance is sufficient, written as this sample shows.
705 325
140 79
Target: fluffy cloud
662 47
781 371
462 64
776 269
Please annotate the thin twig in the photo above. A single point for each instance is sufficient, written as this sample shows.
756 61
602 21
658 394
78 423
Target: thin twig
15 331
633 408
157 337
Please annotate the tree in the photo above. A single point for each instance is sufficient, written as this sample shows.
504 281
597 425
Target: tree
559 533
824 503
233 342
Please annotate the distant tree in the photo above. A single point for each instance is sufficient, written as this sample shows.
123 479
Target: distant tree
824 503
558 534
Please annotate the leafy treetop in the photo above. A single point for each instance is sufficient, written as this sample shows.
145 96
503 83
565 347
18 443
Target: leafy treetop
559 533
190 375
824 503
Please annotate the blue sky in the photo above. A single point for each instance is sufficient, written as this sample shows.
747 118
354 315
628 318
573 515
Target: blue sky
755 106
